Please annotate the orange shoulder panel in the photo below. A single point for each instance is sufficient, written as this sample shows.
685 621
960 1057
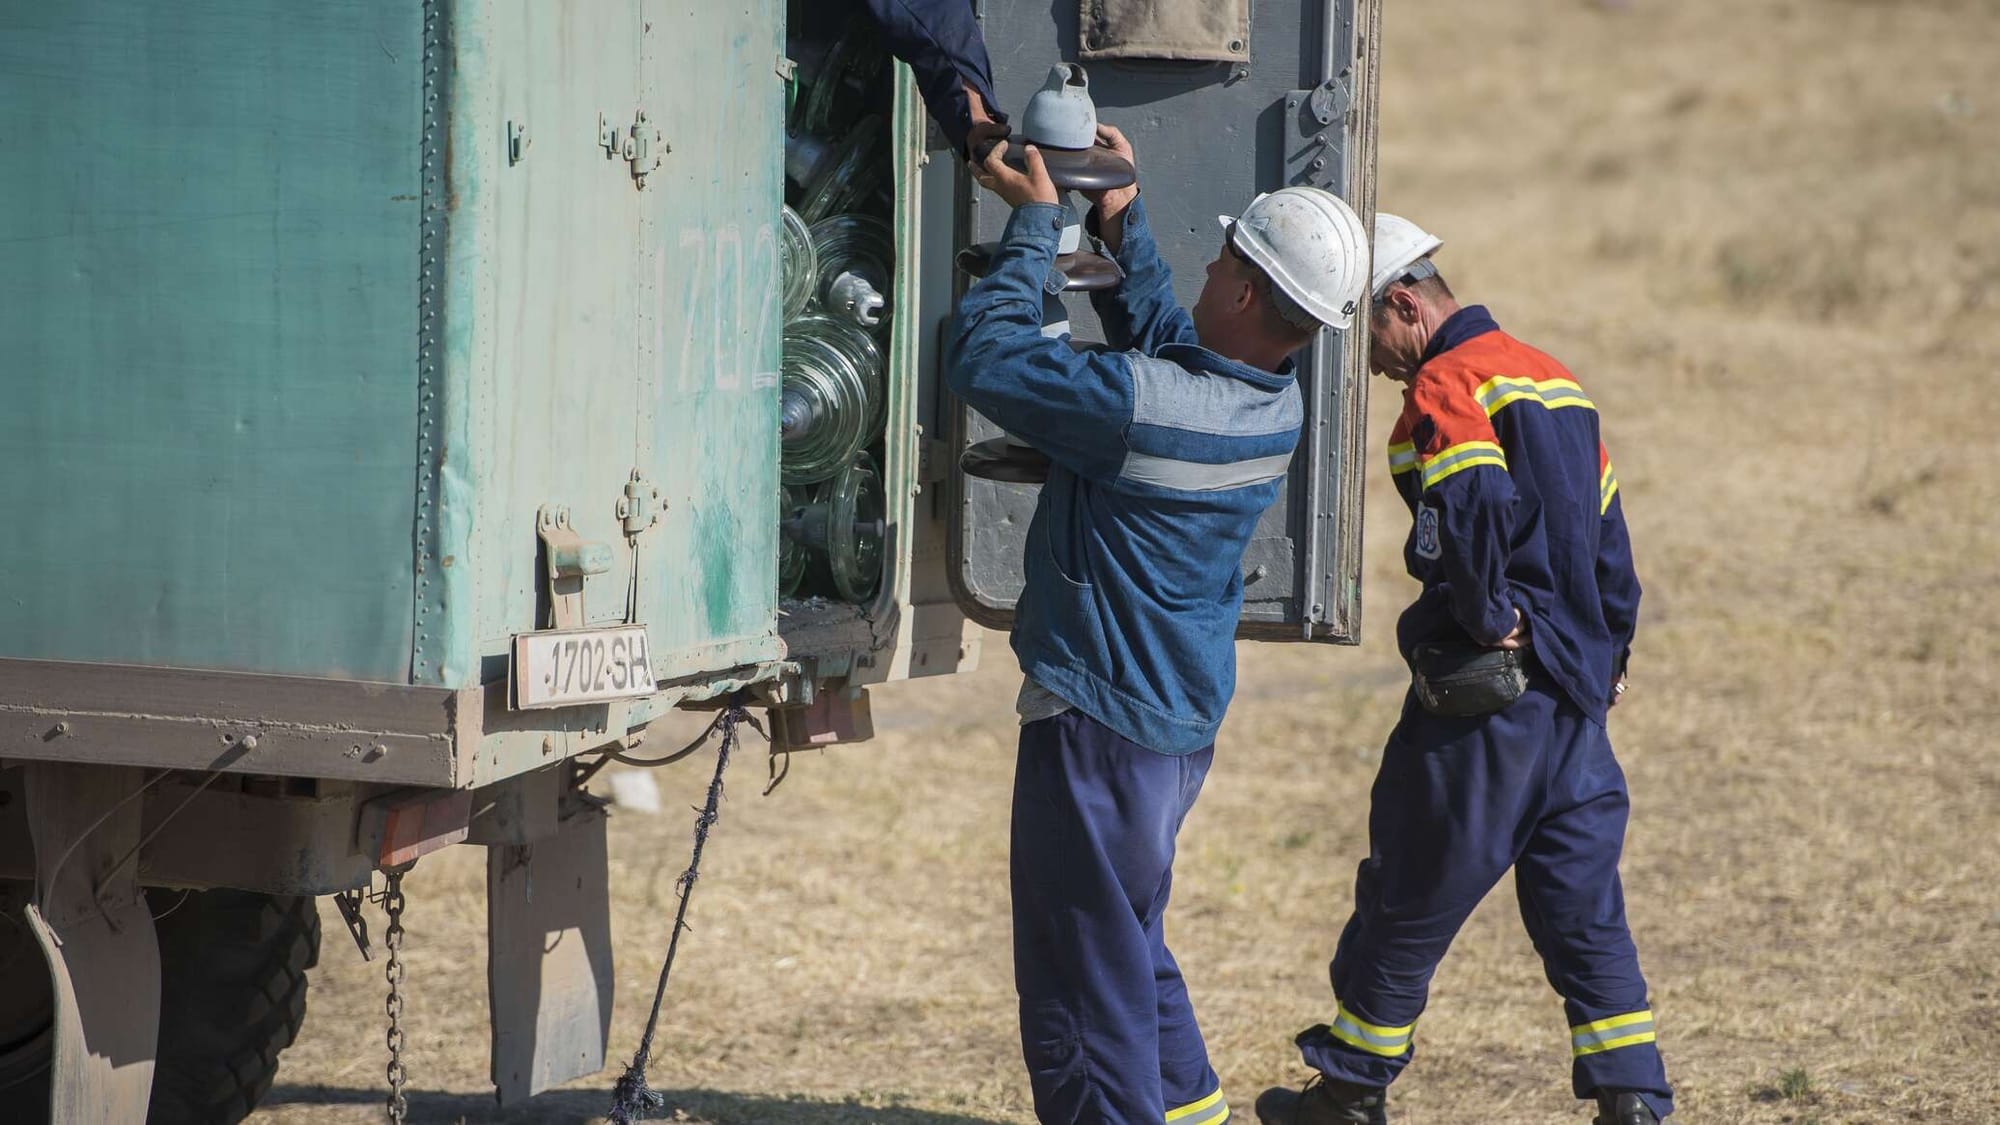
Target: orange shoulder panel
1441 409
1497 353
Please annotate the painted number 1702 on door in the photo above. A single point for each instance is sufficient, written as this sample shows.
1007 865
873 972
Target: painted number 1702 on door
564 667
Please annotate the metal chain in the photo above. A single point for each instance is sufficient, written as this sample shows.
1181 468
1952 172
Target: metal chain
392 939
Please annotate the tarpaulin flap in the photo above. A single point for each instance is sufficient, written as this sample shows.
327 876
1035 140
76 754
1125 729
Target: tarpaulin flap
1211 30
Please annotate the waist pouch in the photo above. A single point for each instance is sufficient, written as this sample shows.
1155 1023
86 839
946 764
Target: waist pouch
1463 680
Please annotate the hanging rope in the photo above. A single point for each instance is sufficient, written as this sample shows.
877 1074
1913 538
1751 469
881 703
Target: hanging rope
631 1098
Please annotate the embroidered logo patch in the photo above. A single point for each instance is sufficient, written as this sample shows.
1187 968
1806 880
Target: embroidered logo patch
1427 543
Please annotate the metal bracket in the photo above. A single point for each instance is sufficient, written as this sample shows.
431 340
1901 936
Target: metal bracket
640 145
1318 123
549 972
934 462
566 560
349 903
404 825
832 718
787 68
517 142
92 923
639 509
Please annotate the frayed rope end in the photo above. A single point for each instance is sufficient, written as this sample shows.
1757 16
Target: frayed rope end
631 1099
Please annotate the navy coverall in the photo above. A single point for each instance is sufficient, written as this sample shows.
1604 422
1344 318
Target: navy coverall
1164 457
940 41
1498 456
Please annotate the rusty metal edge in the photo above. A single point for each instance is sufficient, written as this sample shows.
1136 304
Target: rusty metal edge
177 718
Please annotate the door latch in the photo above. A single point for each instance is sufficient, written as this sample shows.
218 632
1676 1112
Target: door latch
566 560
639 509
639 145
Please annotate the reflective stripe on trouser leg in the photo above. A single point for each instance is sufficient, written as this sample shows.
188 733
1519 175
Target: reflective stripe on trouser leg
1211 1110
1628 1030
1388 1042
1620 1052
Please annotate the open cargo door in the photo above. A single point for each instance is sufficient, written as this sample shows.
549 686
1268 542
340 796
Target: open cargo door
1290 102
710 321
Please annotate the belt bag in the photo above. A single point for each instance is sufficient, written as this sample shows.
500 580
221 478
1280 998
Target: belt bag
1463 680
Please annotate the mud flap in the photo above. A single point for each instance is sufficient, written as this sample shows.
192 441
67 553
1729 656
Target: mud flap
92 922
548 923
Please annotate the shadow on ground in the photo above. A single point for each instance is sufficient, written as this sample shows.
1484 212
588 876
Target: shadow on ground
704 1107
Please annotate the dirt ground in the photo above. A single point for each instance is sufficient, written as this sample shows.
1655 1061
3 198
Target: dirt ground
1766 235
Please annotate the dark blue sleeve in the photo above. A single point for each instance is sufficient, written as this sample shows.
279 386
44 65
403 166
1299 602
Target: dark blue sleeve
1475 514
1074 407
1617 581
1141 314
940 41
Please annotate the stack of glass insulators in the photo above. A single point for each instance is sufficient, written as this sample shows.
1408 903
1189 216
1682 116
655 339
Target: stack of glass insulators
838 265
800 266
854 257
830 401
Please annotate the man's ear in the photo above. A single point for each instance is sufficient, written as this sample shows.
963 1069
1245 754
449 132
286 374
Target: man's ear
1246 295
1402 303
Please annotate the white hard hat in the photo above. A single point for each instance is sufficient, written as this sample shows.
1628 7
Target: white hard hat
1310 244
1399 244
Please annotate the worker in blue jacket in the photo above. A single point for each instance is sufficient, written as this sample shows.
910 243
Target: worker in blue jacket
1166 450
1518 644
941 43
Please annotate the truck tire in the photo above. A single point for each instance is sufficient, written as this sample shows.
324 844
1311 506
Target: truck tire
27 1011
232 996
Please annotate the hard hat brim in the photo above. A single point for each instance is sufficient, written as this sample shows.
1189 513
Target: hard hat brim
1259 255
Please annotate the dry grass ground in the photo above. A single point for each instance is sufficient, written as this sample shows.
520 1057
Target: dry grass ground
1766 234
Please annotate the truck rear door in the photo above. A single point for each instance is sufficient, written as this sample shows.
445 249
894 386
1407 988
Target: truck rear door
1290 100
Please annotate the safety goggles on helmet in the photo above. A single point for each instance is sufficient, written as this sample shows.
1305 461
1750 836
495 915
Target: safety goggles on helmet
1419 270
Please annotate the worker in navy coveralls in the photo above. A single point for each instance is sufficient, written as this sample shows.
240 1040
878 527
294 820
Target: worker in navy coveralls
941 43
1165 454
1519 541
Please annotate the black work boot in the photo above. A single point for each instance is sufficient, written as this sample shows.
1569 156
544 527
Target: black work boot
1623 1107
1324 1102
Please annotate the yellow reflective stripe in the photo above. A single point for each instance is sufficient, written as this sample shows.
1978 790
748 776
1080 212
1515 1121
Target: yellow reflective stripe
1388 1042
1607 488
1612 1023
1460 457
1613 1044
1192 1108
1376 1028
1602 1035
1402 457
1361 1044
1554 394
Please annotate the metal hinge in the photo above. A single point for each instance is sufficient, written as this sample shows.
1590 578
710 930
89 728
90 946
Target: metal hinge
639 145
786 68
934 460
1317 119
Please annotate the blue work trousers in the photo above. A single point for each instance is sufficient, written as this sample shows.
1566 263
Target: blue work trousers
1106 1028
1458 801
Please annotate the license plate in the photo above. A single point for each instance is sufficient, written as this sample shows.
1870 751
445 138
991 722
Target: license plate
562 667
